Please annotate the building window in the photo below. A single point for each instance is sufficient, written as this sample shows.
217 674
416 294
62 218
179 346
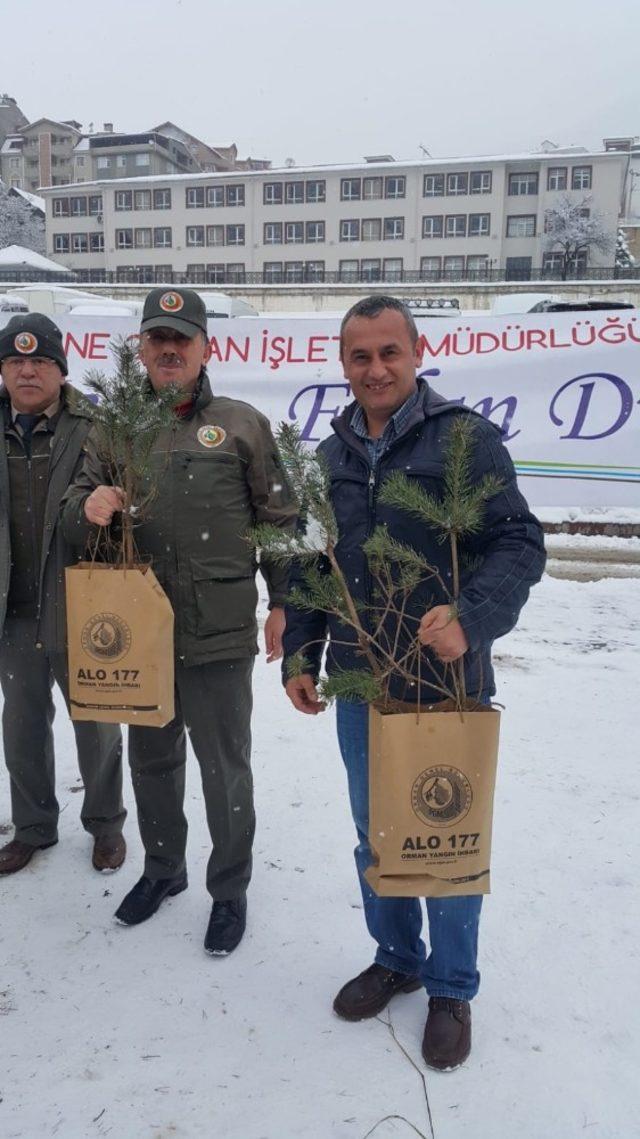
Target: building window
350 189
235 195
79 207
430 268
272 233
523 184
124 239
395 186
142 199
272 272
196 274
432 226
552 264
316 191
215 195
215 235
164 273
215 274
142 238
480 182
123 199
162 199
293 272
393 229
455 225
371 189
314 232
457 184
479 225
195 235
349 270
477 267
392 268
581 178
143 159
521 225
350 229
371 229
61 243
79 243
194 197
96 242
121 161
103 163
235 272
453 268
370 269
314 270
433 186
272 193
557 178
61 207
294 193
235 235
294 232
95 205
162 237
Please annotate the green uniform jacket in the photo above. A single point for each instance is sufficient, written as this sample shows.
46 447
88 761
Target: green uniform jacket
71 432
217 473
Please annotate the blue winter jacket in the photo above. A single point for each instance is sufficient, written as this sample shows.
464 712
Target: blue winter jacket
506 556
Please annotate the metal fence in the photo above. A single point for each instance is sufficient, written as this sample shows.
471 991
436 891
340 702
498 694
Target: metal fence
148 275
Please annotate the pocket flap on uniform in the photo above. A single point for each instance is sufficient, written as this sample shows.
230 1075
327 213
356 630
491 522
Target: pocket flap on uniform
218 569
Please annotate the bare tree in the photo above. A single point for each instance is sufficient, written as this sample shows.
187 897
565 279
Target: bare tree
572 227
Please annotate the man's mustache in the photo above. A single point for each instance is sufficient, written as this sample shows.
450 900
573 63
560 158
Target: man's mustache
169 359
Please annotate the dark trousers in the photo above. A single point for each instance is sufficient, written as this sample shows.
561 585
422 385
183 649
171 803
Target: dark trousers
213 704
27 674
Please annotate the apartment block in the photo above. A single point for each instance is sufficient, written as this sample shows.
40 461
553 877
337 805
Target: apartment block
380 219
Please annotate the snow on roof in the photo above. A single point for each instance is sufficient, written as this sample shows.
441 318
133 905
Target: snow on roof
17 257
291 172
34 200
12 142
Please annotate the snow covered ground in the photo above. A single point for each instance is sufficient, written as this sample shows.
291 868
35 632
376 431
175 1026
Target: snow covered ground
136 1034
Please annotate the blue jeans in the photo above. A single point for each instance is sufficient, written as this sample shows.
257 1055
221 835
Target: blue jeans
395 923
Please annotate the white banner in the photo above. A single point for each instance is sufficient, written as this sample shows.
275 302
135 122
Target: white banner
564 387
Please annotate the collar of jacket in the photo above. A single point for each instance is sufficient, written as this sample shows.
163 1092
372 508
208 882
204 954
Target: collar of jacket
429 405
71 400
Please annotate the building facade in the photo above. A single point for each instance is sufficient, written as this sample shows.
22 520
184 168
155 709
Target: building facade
457 218
39 154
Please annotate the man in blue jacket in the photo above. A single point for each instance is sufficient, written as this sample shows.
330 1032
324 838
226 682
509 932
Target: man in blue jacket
398 422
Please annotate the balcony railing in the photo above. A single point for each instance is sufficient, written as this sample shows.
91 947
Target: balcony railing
149 274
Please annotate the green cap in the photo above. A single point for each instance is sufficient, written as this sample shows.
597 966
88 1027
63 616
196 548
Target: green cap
180 309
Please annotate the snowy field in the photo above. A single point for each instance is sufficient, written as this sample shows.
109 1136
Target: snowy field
134 1033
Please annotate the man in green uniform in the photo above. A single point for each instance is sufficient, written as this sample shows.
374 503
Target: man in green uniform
44 428
218 474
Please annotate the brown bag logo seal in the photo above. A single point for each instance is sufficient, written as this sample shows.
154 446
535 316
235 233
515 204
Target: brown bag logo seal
106 637
441 796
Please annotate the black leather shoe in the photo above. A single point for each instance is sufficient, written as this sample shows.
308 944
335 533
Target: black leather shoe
447 1035
368 993
226 926
147 896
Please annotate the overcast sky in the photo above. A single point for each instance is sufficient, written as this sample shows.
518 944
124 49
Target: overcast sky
334 80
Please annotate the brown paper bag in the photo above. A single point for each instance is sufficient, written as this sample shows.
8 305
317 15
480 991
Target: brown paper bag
431 784
120 638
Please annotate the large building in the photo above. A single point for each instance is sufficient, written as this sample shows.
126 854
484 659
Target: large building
452 218
49 153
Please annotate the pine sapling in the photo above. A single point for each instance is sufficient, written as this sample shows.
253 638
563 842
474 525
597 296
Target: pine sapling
128 419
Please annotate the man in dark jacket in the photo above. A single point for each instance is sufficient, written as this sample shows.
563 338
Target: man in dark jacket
44 427
217 474
399 423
